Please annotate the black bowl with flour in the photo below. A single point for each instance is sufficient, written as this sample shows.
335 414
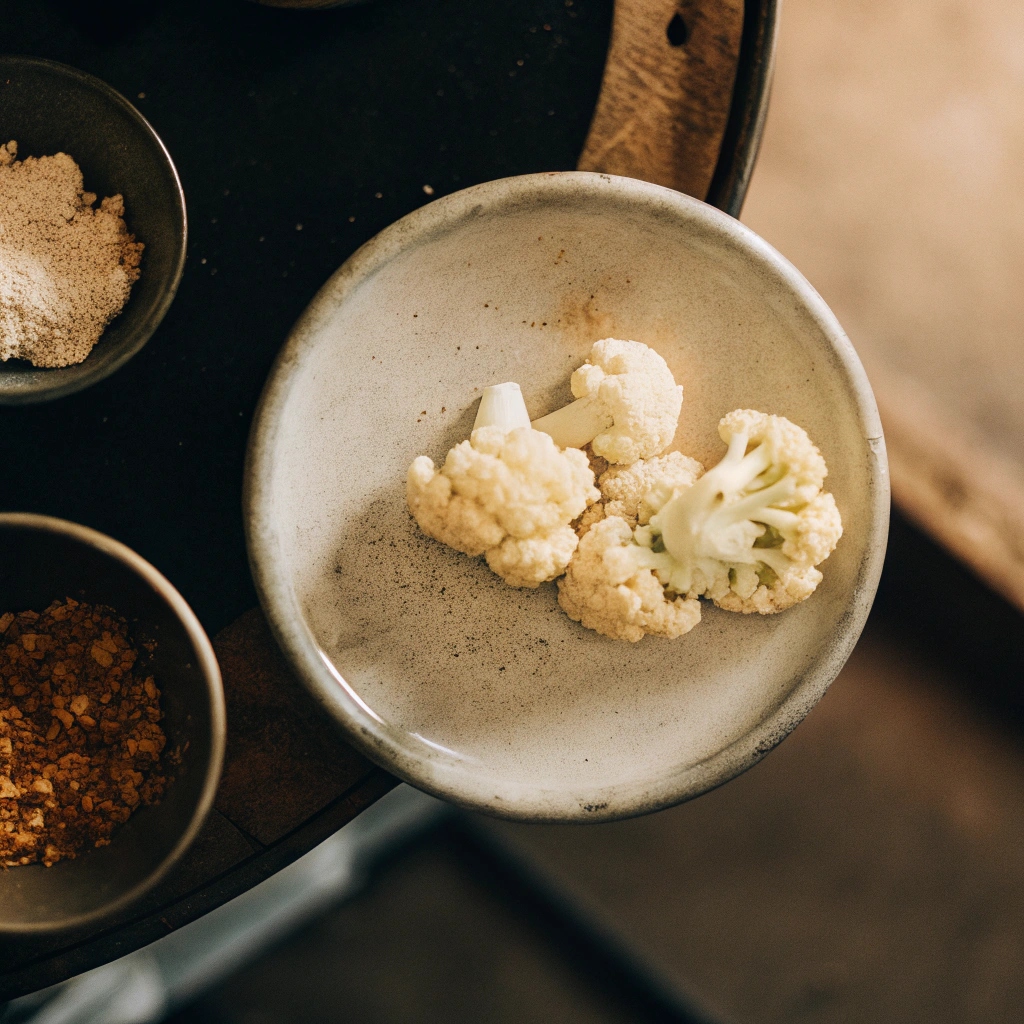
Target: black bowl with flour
48 108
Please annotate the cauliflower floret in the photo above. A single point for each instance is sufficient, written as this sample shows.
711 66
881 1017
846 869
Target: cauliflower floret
508 495
624 489
749 532
791 588
627 405
605 589
530 561
783 445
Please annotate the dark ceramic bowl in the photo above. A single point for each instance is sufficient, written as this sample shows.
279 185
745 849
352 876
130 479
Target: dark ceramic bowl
43 559
49 108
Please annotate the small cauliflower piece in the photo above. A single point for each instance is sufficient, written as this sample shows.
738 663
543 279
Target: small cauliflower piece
507 493
606 590
627 404
792 587
624 489
750 531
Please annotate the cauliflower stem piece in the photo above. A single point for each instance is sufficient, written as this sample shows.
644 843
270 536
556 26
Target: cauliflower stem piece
502 405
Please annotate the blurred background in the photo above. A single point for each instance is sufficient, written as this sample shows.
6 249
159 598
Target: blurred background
871 868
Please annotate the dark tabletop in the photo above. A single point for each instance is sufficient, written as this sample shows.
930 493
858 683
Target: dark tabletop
298 136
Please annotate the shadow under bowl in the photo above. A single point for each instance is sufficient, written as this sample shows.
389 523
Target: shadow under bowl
42 560
49 108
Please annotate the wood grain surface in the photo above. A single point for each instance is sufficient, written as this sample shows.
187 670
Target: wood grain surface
285 760
891 176
869 870
667 92
955 486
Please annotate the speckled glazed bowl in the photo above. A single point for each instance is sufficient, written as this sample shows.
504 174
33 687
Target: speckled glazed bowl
489 696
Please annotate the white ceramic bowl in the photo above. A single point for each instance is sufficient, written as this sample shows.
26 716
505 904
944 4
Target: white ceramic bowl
490 696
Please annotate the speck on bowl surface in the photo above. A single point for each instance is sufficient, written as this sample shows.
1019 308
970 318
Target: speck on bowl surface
50 108
42 560
490 696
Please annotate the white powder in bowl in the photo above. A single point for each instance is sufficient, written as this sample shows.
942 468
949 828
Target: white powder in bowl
65 268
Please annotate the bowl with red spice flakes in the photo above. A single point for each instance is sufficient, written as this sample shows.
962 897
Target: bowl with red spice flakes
111 725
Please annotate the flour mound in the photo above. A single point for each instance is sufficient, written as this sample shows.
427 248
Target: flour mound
66 268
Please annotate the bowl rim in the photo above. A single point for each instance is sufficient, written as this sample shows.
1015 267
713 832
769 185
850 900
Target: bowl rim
380 742
148 327
206 662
